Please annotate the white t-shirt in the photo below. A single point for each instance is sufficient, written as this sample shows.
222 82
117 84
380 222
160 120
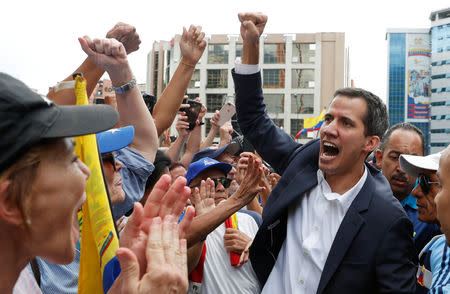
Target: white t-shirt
218 274
26 284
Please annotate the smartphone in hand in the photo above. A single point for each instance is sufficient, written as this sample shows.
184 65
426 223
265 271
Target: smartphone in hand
227 111
192 112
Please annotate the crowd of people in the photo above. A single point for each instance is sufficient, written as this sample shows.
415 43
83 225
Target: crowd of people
255 213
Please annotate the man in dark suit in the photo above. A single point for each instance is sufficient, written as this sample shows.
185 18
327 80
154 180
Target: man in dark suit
331 225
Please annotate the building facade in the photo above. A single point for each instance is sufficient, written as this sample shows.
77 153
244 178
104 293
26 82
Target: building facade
419 79
300 73
440 80
409 78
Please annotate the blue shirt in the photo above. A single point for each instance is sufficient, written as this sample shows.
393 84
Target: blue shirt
423 232
135 172
440 266
57 278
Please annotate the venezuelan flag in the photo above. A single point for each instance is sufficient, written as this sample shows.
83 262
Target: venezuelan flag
99 240
312 124
232 223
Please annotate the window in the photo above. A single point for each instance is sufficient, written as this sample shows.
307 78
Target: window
99 93
303 53
215 102
303 78
218 54
238 50
273 78
302 103
217 78
297 126
195 80
279 122
274 103
275 53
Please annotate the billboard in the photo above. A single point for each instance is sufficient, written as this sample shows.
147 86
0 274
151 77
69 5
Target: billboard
418 76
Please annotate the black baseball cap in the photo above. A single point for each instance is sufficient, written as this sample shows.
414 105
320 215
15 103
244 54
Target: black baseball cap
26 118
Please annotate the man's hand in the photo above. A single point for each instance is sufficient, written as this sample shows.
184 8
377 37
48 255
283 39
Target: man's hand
274 178
252 26
166 262
215 120
182 125
202 112
192 44
125 34
163 200
110 55
250 184
235 240
203 198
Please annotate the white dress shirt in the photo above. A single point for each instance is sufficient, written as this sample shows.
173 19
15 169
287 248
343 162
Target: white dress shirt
312 225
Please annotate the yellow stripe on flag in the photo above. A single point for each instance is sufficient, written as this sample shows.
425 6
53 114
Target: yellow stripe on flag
312 121
98 236
234 221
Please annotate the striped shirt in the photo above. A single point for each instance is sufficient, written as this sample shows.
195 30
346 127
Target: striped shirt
440 267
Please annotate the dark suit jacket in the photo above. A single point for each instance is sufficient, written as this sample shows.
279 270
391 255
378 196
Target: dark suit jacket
373 251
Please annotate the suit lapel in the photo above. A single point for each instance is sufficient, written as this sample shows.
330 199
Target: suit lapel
289 189
348 229
286 195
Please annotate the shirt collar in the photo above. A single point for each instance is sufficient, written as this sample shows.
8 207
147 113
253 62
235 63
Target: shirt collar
410 201
345 199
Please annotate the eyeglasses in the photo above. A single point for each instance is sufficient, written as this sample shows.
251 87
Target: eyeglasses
424 182
226 182
109 157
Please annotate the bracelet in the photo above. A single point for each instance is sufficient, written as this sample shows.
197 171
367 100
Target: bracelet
125 87
187 64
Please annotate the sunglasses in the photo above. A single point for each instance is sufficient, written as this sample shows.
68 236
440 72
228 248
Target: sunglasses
226 182
109 157
424 182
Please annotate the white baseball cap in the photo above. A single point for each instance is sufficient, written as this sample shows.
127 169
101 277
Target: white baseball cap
413 165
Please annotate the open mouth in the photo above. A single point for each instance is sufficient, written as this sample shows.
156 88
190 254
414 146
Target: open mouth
330 150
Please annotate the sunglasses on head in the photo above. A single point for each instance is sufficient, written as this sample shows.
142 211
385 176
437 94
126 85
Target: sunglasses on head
226 182
109 157
424 182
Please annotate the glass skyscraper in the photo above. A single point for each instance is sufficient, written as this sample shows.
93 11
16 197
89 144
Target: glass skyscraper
409 61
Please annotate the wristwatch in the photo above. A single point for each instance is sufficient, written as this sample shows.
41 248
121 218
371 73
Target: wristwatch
122 89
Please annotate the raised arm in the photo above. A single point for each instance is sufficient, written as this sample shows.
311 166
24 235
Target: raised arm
110 55
272 143
212 132
192 45
124 33
193 143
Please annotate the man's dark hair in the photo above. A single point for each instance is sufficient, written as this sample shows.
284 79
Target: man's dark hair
376 119
401 126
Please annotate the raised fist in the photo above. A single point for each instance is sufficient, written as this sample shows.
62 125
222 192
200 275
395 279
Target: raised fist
252 25
125 34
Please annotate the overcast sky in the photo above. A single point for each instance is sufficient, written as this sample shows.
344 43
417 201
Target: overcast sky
39 38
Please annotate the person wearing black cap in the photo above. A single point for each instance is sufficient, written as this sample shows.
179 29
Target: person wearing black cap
39 173
42 186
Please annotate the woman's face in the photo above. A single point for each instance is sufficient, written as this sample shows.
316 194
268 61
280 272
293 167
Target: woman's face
57 194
